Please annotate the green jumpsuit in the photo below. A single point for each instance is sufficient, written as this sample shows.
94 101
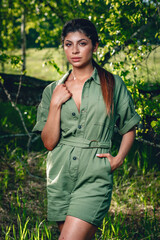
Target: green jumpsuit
79 183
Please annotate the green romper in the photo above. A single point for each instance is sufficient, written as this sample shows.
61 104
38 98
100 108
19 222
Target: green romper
79 183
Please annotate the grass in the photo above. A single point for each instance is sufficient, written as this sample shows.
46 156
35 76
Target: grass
148 70
134 211
35 63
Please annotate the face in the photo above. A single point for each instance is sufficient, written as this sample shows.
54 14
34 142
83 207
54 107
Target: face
79 49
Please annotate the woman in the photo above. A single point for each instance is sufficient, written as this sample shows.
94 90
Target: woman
77 116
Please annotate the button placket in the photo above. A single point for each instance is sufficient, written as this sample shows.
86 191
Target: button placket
83 113
73 114
74 163
79 126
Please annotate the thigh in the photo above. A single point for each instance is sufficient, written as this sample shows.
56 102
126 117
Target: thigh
75 228
60 225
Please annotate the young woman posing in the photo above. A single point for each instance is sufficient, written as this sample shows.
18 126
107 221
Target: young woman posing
76 117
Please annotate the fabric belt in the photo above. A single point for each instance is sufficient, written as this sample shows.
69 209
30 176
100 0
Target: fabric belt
84 143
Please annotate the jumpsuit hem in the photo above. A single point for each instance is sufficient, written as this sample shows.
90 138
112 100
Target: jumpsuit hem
63 218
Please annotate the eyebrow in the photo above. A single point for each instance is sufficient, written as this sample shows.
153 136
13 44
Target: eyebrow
83 39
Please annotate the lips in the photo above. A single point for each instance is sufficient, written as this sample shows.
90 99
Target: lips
76 59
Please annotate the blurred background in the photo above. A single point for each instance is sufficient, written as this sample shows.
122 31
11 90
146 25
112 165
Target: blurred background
31 56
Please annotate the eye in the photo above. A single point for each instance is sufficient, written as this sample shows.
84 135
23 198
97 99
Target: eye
68 44
82 43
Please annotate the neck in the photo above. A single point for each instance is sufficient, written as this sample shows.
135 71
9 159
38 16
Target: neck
82 73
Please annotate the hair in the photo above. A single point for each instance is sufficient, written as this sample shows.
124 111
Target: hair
106 78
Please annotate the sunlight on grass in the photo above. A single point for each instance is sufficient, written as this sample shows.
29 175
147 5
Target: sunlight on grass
148 70
35 63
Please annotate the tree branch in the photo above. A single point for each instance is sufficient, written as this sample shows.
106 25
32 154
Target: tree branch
117 49
147 142
19 112
56 11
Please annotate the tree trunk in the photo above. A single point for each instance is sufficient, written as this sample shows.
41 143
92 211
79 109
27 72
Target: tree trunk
2 67
23 41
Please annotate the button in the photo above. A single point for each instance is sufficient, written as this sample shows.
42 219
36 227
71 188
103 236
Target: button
79 126
74 158
73 114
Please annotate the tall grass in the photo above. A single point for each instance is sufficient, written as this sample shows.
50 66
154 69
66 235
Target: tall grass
134 212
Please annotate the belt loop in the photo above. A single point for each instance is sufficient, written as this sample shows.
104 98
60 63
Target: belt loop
95 143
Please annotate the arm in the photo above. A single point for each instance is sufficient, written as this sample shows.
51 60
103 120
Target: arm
126 144
51 132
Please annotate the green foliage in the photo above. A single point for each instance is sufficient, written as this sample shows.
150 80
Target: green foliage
117 21
14 60
121 25
52 63
10 21
10 121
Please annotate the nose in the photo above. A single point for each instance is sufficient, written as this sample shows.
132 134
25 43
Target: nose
75 49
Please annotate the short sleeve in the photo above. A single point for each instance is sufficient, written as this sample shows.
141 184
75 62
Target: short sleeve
126 116
43 109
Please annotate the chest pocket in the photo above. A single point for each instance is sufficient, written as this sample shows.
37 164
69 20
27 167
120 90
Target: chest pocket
98 109
69 118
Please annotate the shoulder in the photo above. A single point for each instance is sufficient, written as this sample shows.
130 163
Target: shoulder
49 88
118 82
120 90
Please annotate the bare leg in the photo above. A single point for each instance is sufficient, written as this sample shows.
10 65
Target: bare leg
60 225
77 229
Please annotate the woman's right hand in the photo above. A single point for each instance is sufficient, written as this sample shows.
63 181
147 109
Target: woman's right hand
51 132
60 95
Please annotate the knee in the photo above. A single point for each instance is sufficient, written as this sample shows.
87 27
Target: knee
63 238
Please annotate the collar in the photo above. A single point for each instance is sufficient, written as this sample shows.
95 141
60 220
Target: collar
94 76
63 79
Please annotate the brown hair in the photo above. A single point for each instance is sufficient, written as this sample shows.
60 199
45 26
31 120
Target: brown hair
106 78
107 86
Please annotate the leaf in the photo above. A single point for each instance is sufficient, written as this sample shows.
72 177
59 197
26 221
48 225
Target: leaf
153 124
52 63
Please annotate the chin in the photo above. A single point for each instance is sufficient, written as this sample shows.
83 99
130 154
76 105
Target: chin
80 65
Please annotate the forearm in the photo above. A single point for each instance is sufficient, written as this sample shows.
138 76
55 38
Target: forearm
125 146
51 131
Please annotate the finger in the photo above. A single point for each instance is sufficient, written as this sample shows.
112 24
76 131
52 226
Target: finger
67 96
67 89
101 155
69 92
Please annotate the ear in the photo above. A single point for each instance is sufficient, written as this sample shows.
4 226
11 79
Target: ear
95 47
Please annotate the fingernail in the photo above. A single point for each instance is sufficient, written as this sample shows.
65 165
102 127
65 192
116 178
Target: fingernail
97 155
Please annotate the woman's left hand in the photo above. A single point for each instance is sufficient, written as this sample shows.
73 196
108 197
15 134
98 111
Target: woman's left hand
126 143
115 162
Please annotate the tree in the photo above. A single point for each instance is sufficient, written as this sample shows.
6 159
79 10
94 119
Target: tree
14 15
128 26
